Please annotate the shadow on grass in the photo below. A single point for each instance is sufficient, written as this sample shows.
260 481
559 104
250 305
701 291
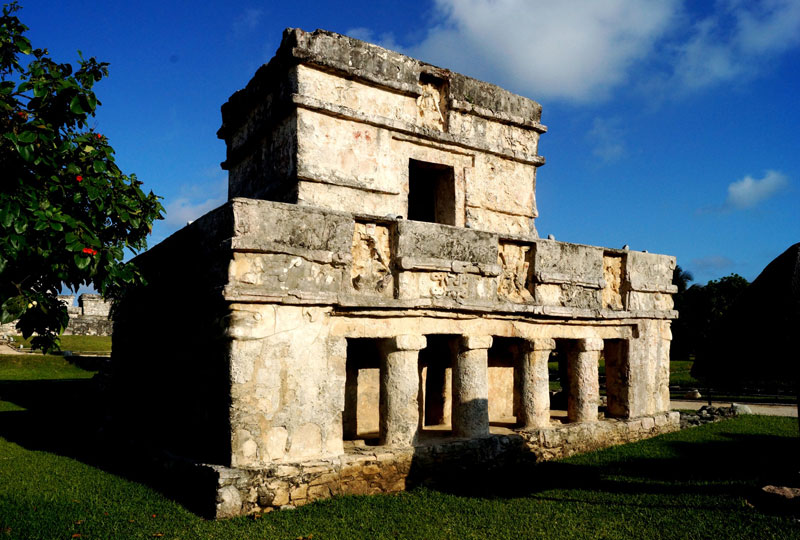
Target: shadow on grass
67 417
732 465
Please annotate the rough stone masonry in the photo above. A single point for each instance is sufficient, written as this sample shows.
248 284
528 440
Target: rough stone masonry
373 305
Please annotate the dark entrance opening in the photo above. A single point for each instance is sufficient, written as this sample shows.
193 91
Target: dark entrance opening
431 192
360 418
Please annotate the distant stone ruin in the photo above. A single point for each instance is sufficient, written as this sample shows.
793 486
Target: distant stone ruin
373 306
88 318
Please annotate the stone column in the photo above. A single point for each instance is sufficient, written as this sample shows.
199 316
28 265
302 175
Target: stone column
584 380
399 401
471 387
535 384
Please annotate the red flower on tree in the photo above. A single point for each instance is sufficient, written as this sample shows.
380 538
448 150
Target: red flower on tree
99 136
79 178
90 251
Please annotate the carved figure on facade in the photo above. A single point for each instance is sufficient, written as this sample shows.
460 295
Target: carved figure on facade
372 258
512 284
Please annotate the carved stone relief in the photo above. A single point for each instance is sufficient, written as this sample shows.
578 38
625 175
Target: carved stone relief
613 277
371 272
432 105
514 284
455 286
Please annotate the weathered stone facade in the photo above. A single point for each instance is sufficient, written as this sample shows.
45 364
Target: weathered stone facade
375 286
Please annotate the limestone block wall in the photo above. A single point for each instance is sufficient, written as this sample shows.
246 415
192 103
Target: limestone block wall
393 469
287 384
291 253
266 296
316 129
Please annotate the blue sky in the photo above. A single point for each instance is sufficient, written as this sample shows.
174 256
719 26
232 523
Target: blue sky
673 125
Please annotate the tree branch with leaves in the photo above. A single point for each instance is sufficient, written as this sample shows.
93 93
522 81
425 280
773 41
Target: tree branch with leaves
67 213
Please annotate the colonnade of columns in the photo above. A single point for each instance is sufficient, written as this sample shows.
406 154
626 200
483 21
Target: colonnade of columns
400 410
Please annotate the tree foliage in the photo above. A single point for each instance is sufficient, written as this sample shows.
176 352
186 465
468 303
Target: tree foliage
701 309
67 212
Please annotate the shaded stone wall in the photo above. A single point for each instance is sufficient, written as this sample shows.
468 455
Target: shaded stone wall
387 470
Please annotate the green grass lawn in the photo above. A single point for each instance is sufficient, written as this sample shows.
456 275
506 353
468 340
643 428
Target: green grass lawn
55 483
89 344
27 367
680 373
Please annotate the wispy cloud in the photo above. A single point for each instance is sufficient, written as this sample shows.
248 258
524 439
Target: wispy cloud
606 137
182 211
749 191
386 40
195 199
712 264
247 21
735 41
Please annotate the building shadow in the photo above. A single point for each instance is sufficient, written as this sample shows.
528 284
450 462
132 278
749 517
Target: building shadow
735 464
70 418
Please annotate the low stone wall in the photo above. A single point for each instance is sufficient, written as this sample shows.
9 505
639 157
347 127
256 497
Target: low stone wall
89 318
89 325
384 469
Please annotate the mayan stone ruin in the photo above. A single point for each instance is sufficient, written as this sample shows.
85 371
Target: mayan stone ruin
373 305
88 318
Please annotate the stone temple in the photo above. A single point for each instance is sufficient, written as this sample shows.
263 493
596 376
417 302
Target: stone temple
373 306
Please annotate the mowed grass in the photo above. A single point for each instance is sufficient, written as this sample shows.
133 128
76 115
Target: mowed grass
54 483
76 344
680 373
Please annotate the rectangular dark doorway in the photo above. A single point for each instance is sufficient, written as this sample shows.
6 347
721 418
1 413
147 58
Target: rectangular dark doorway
431 192
360 418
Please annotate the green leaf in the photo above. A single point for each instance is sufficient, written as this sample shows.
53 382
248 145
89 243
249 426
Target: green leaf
23 45
81 261
2 264
20 224
12 309
75 106
99 166
27 137
56 226
26 152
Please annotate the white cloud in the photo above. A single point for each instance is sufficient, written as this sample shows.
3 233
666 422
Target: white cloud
577 50
749 191
581 50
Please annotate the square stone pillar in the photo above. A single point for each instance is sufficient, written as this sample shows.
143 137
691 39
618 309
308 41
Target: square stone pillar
584 380
535 384
399 400
471 387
